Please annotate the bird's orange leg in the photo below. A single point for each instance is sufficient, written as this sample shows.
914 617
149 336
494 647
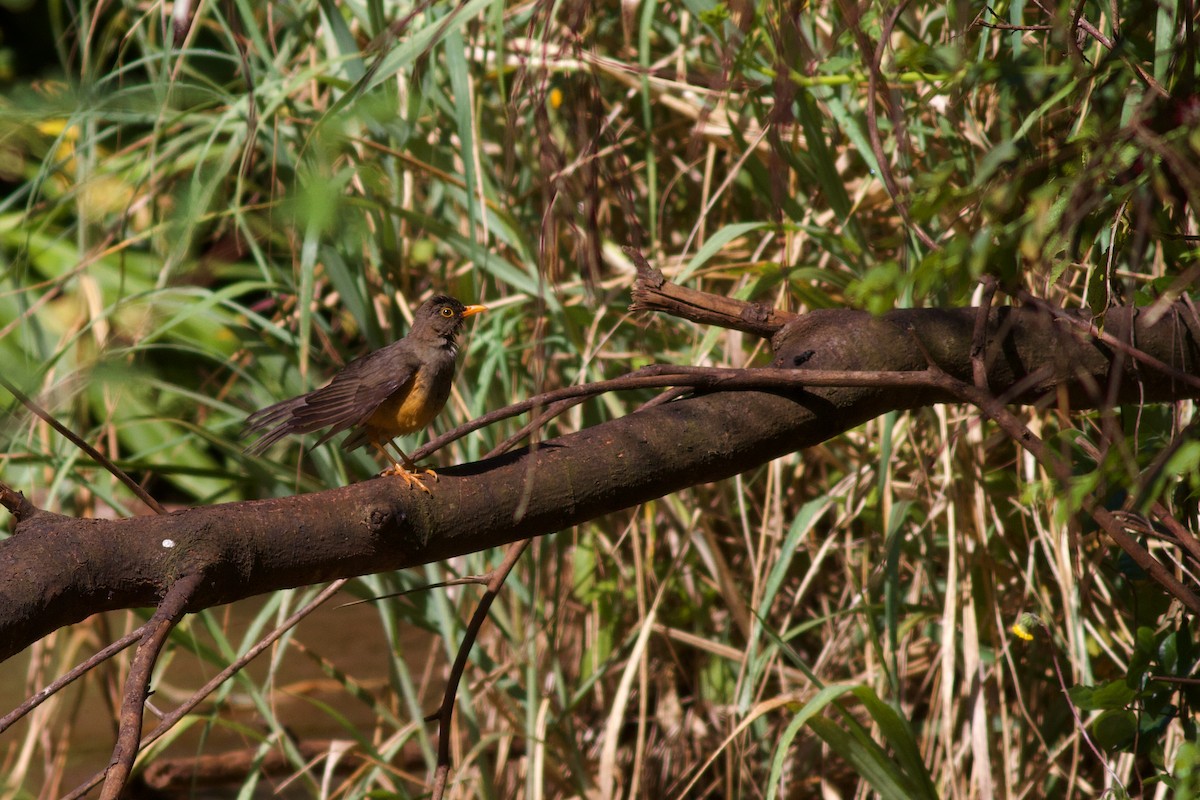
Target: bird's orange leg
411 465
408 471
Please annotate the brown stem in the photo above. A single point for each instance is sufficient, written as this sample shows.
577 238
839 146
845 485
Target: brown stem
17 505
65 680
1079 725
874 74
554 410
657 376
979 335
1026 438
172 719
1110 340
1186 539
137 684
445 712
653 292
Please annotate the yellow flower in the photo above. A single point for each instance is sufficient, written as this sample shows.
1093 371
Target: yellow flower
1024 627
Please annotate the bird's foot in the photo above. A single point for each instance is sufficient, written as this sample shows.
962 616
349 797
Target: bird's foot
411 477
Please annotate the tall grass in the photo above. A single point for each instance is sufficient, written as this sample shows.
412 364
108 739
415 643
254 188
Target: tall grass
192 233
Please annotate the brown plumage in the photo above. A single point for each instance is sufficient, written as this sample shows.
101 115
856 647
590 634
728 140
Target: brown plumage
395 390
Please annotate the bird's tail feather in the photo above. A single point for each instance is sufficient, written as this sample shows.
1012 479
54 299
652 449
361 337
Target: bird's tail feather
277 418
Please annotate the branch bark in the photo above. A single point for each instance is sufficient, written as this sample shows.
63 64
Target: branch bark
57 570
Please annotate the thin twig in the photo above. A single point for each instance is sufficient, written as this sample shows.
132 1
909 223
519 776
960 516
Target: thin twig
1003 26
657 376
1186 539
442 772
1175 679
495 582
534 424
1011 424
667 375
1062 683
1109 339
979 335
874 73
1020 433
172 719
65 680
445 713
78 441
468 580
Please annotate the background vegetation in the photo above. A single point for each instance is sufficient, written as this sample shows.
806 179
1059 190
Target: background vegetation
191 232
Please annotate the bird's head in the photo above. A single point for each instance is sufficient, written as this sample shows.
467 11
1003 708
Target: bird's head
443 315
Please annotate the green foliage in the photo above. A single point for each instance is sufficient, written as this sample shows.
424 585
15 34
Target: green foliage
191 232
1136 709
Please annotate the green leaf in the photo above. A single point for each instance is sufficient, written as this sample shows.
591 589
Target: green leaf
714 245
1114 694
903 778
1115 729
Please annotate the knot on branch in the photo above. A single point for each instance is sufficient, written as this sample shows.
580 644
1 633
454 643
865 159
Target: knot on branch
17 504
757 315
383 517
648 275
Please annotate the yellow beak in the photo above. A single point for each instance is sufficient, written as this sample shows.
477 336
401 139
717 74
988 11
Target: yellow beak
472 310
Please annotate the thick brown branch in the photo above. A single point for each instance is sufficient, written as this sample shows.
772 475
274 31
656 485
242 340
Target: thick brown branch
242 549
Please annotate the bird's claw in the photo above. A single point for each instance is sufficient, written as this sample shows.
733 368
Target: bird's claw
411 478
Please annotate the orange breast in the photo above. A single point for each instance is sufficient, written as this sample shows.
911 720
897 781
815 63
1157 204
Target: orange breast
407 410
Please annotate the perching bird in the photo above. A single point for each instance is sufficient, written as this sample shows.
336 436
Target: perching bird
397 389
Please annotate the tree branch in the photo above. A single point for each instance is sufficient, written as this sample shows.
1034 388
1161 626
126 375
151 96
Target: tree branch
137 684
653 292
170 720
76 672
248 548
445 713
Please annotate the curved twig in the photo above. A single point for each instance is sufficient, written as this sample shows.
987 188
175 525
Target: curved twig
445 712
659 376
874 72
494 581
170 720
979 334
1027 439
137 683
1110 340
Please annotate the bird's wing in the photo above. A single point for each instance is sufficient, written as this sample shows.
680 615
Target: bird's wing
274 417
358 391
348 400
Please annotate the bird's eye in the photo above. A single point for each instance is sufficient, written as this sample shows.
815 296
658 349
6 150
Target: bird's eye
447 311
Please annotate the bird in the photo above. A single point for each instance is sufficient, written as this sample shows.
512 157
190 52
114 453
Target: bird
394 390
